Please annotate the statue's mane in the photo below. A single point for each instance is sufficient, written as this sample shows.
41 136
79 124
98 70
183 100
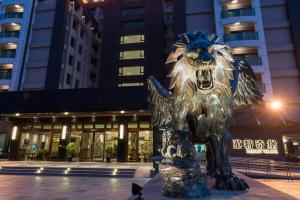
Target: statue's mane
183 79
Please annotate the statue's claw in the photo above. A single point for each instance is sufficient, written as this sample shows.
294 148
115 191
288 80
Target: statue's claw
231 183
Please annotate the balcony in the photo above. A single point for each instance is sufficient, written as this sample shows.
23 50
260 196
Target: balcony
5 74
8 34
11 15
240 36
252 60
238 12
7 53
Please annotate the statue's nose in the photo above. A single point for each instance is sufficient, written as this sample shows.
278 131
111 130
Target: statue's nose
205 58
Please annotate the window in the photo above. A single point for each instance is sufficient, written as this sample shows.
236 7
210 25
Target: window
132 11
131 71
68 81
95 46
77 83
81 33
80 49
94 61
259 83
92 76
71 60
2 140
132 25
78 68
72 41
129 39
169 16
75 25
144 125
130 84
135 54
5 74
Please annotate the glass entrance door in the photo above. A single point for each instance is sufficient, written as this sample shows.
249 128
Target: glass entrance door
111 143
133 140
98 146
87 143
75 137
55 146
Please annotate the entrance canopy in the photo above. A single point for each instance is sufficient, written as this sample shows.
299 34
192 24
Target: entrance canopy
74 100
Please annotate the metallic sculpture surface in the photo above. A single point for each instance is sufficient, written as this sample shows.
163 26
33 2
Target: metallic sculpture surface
207 84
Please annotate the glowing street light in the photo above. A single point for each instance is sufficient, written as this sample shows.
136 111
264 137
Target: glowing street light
276 105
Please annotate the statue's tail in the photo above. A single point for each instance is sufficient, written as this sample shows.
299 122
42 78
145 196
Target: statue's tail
161 104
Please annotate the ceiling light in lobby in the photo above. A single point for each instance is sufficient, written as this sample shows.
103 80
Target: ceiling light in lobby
14 133
17 114
122 131
122 111
66 113
64 132
234 1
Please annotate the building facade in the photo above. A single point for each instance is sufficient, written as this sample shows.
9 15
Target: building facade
124 42
16 20
48 45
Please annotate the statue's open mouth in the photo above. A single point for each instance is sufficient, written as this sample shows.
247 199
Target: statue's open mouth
204 79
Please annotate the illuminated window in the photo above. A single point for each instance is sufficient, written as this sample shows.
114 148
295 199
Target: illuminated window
132 125
4 88
129 39
131 71
135 54
130 84
144 125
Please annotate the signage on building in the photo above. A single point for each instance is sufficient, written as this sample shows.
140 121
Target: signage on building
252 146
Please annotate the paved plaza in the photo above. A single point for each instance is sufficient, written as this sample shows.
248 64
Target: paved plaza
71 188
291 188
65 188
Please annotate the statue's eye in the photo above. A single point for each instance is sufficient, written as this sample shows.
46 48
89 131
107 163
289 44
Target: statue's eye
209 49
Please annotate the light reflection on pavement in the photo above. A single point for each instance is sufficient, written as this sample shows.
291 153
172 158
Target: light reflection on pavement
66 188
288 187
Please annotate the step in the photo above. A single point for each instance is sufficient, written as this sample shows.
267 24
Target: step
60 171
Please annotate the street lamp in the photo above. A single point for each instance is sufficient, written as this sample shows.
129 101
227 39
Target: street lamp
276 105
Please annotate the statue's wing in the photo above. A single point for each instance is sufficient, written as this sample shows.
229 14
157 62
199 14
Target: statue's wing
161 105
245 91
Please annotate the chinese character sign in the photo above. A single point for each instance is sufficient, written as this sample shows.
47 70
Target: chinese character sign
252 146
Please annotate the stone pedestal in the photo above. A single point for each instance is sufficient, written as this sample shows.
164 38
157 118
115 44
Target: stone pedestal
184 183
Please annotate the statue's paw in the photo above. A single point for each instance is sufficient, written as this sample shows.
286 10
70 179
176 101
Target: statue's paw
226 170
231 183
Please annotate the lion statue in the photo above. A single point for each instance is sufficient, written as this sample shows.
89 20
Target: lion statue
206 85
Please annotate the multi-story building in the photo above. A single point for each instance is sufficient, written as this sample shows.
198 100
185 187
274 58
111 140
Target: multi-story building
15 25
48 45
136 39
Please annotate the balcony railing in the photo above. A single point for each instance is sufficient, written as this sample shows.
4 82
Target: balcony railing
238 12
5 74
252 60
5 34
11 15
240 36
7 53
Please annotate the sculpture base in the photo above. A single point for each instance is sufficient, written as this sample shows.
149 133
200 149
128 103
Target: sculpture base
184 183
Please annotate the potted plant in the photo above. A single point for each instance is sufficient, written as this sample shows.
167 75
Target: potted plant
109 152
70 151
